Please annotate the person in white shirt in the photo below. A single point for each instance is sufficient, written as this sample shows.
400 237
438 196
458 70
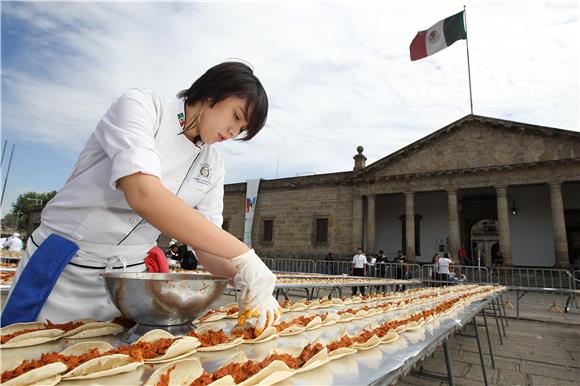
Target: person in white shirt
148 167
359 263
13 243
443 266
371 261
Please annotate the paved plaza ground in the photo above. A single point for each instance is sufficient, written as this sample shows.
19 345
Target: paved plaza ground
534 353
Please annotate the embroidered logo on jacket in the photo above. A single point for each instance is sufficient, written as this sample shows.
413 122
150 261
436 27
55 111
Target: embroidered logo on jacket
204 176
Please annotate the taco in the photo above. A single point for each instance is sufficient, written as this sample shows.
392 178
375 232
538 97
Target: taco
311 322
285 305
288 328
214 340
389 337
84 360
299 306
248 333
248 372
210 316
27 334
183 372
341 347
159 346
365 340
313 304
88 360
87 328
329 319
306 357
355 300
337 302
15 374
345 315
231 310
325 303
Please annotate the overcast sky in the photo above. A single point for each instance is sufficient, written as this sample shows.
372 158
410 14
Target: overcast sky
337 74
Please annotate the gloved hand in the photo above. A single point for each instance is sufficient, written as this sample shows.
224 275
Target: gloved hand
256 284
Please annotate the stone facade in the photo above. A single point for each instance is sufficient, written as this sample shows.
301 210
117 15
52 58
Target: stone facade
472 153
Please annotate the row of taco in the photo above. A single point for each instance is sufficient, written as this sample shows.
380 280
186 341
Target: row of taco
286 362
230 311
97 359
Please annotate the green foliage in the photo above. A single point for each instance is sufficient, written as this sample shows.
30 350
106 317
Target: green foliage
24 204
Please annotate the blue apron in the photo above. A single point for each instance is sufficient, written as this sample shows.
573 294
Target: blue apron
38 279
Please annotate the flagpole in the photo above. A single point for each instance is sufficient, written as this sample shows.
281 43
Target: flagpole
468 66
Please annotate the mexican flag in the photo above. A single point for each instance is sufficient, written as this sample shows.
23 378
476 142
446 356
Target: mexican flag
439 36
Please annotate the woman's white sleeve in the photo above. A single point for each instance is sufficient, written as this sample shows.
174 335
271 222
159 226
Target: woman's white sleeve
127 135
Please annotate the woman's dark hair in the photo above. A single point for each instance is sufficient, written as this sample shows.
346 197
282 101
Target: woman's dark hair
232 79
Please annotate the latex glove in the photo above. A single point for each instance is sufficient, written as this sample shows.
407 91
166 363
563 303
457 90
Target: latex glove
256 284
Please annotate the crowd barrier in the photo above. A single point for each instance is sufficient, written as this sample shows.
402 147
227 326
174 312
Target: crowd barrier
548 283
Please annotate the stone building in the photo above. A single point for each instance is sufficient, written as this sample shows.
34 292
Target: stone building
487 184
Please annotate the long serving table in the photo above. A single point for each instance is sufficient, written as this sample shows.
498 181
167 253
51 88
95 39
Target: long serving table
382 365
330 283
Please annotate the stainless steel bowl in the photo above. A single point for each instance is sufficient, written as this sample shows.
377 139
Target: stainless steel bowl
162 299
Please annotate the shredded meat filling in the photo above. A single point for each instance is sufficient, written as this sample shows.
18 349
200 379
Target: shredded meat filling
211 337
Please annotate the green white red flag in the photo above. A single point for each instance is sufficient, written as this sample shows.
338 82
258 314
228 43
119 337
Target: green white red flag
441 35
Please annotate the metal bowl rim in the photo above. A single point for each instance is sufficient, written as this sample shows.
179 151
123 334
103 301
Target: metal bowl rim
158 276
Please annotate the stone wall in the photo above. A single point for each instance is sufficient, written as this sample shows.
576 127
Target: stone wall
294 211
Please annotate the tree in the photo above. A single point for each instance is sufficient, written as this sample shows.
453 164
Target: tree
24 204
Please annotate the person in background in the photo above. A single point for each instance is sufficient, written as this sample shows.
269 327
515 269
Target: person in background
328 264
359 268
173 254
433 274
399 266
443 266
371 261
187 257
381 269
462 255
13 243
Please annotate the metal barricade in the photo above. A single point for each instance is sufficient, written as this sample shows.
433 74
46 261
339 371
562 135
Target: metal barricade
403 271
293 265
458 273
533 277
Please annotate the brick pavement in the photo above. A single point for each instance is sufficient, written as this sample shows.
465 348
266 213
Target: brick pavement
534 353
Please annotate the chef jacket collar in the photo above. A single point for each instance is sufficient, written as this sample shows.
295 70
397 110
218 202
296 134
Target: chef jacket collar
180 117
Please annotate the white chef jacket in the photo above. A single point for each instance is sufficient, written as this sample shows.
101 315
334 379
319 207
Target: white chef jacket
139 133
14 244
359 261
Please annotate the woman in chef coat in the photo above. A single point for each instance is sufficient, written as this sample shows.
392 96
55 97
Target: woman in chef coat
148 167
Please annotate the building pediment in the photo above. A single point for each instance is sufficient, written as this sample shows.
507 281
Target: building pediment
475 142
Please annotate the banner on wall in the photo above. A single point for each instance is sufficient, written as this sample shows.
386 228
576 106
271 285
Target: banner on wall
251 198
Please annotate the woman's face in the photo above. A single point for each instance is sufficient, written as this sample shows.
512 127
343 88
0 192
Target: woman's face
222 121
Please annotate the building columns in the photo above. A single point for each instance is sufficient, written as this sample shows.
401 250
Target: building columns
454 236
410 226
357 221
559 224
503 220
371 223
